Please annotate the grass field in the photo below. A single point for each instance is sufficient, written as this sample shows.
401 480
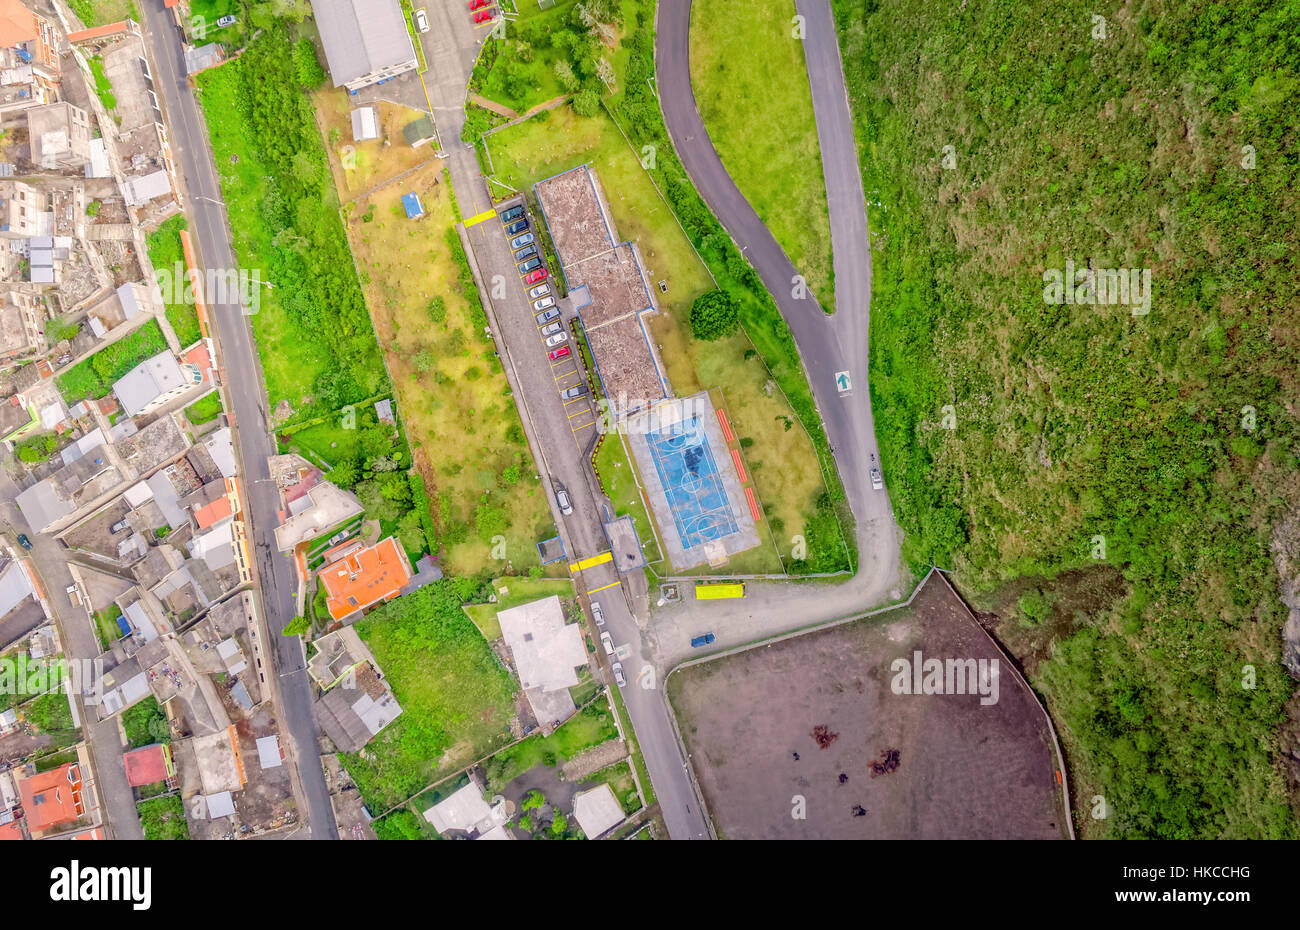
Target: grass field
94 376
457 700
618 479
205 409
782 459
102 12
165 252
461 419
164 818
751 86
591 726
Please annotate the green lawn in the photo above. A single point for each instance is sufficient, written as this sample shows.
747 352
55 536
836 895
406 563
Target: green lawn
145 723
94 376
103 86
168 258
618 480
591 726
163 818
205 409
1080 434
501 73
751 86
102 12
457 699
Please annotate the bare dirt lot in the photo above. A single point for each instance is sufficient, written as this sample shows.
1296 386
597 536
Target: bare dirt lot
815 717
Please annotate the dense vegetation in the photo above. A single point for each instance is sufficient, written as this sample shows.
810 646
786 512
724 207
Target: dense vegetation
256 109
145 723
1023 438
167 257
164 818
456 698
714 315
637 111
94 376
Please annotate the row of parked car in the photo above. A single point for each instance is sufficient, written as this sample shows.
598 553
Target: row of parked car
532 269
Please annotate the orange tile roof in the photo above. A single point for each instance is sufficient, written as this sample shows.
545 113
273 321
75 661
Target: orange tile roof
367 577
11 831
219 509
52 797
17 23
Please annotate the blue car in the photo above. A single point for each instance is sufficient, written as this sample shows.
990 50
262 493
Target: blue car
704 640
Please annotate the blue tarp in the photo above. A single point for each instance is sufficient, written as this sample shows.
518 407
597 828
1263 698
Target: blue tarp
413 206
123 625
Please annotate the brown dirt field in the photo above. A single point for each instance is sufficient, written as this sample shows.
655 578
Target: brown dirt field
964 770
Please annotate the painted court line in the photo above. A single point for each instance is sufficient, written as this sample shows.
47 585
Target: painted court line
603 587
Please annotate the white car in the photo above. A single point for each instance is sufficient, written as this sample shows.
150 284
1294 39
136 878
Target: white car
608 643
562 498
540 291
544 304
618 674
421 21
551 329
555 340
876 481
597 613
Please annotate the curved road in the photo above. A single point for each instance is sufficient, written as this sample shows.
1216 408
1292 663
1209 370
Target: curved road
827 344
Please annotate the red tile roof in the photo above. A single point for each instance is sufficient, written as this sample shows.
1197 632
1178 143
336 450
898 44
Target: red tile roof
52 798
366 577
214 512
11 831
147 766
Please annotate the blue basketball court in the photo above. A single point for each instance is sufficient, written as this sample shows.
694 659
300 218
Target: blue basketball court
691 483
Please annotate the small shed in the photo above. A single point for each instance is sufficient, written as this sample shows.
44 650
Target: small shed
365 124
414 209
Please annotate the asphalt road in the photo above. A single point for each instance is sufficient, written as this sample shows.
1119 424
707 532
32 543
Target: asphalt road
254 444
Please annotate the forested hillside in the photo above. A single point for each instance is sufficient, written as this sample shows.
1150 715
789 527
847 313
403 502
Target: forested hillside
1020 437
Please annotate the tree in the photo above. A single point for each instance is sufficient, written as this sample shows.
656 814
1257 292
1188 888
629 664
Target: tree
310 74
564 74
298 626
714 315
586 103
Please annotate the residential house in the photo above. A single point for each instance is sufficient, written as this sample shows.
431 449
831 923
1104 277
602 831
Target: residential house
361 577
21 206
597 811
29 59
21 318
153 383
60 136
465 811
52 799
545 651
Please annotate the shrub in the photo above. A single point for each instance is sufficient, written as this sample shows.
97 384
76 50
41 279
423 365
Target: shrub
714 315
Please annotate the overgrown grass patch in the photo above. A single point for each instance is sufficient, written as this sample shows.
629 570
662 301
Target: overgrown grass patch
168 258
94 377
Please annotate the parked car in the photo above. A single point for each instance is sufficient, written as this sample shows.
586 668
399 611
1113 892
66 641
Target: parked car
529 265
225 21
118 526
547 315
557 339
540 291
526 252
478 4
876 481
699 641
538 275
550 329
517 226
608 643
482 16
27 543
597 613
561 352
619 678
576 391
544 303
562 498
421 21
521 241
513 213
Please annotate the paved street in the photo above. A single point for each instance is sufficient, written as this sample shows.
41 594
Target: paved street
254 444
48 557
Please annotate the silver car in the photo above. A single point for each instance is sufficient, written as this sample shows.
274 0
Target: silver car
544 303
546 316
877 482
540 291
562 498
520 241
550 329
597 613
555 340
619 678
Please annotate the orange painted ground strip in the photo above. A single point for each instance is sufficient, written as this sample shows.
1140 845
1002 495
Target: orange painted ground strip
191 269
753 505
740 466
726 427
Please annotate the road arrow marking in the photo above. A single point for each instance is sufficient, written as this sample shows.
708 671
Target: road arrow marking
842 382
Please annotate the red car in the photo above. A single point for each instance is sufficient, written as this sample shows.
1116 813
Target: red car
538 275
482 16
557 354
477 4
